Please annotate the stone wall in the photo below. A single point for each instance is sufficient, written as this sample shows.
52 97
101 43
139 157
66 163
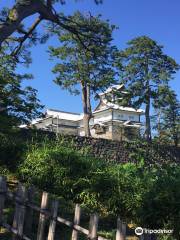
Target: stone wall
113 150
125 152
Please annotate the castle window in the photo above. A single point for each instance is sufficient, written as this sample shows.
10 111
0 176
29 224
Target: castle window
121 116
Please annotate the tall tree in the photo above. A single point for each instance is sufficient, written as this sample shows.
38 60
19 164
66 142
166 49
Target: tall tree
92 70
169 124
11 20
144 68
159 104
18 105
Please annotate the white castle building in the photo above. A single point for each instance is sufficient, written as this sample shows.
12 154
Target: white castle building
109 121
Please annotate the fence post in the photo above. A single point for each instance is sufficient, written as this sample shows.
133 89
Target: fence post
20 210
52 225
121 230
93 226
42 217
3 190
77 217
29 220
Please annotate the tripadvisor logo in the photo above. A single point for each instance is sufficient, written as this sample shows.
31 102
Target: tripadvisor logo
139 231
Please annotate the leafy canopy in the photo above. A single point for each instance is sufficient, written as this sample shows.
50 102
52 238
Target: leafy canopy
170 123
91 65
17 104
145 68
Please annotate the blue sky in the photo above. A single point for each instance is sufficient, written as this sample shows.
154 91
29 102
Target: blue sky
158 19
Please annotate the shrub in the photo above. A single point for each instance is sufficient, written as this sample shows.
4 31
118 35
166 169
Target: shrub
161 202
11 151
146 195
58 169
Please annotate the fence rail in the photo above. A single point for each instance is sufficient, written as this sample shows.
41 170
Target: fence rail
21 227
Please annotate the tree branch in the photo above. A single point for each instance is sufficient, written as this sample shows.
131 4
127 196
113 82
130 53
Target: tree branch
26 36
52 16
49 4
20 11
17 14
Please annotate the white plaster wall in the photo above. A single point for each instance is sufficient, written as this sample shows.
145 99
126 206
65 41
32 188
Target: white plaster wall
66 122
122 115
43 123
103 116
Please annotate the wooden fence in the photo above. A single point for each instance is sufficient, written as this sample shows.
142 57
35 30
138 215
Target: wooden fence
21 227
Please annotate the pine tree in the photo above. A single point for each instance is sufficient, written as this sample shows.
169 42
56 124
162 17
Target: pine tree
144 69
89 67
170 124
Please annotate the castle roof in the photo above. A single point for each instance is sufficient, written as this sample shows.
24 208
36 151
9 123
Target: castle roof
64 115
113 88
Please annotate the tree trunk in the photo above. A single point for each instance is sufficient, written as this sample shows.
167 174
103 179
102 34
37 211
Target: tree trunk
86 108
17 14
159 125
148 104
175 138
148 122
86 120
176 142
175 131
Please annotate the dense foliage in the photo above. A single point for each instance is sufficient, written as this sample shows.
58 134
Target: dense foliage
145 68
166 119
18 104
170 120
148 196
89 69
